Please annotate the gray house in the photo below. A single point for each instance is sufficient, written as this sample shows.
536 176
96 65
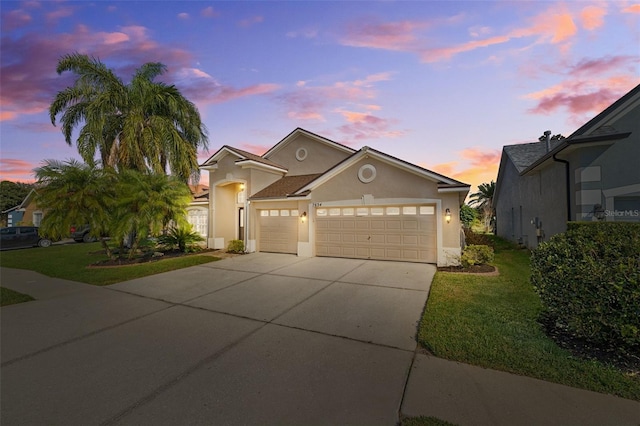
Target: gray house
594 174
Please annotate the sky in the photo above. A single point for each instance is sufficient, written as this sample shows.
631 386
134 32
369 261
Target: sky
441 84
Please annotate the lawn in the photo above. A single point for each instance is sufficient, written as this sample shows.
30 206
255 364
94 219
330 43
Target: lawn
11 297
71 262
491 321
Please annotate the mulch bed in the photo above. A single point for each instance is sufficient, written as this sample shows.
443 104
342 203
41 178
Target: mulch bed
473 269
580 348
109 263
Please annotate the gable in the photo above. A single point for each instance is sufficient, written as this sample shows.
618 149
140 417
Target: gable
303 152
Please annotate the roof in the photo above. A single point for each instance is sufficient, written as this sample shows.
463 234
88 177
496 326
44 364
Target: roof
443 182
24 202
244 156
524 154
299 131
285 187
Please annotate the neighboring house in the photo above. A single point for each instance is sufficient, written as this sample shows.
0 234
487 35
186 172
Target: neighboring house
26 213
310 196
198 209
594 174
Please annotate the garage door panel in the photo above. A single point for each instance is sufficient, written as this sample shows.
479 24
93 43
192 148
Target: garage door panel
278 234
393 237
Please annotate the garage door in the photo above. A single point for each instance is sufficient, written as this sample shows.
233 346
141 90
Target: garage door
406 233
278 232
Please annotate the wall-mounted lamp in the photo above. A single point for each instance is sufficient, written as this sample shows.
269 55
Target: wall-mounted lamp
598 211
303 217
447 215
242 187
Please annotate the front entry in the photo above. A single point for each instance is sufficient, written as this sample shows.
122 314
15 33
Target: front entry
241 223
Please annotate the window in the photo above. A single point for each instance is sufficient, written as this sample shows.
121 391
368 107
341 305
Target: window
321 212
409 210
264 213
334 212
377 211
362 211
37 218
8 231
284 213
393 211
274 212
347 212
427 210
294 213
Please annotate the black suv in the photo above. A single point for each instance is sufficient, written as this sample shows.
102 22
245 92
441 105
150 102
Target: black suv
21 236
81 234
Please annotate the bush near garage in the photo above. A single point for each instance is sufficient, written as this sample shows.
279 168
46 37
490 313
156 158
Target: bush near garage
476 255
235 246
588 279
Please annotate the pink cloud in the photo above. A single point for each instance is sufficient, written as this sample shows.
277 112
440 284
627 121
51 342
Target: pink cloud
480 166
589 86
399 35
308 102
254 149
593 17
56 15
364 126
248 22
209 12
15 19
634 8
16 170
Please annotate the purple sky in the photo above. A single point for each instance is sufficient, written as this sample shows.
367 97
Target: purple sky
441 84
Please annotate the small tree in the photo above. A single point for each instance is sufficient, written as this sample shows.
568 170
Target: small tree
184 238
145 205
467 215
76 194
484 200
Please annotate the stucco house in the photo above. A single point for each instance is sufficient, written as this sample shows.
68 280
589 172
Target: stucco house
594 174
311 196
25 213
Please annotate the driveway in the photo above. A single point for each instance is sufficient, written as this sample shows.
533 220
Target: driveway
260 338
256 339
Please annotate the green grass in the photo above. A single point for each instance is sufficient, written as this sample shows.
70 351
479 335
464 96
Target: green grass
71 262
492 322
11 297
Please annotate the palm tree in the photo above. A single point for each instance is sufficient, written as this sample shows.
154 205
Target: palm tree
144 125
484 200
74 193
146 204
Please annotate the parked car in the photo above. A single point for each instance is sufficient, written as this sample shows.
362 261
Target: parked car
20 237
81 234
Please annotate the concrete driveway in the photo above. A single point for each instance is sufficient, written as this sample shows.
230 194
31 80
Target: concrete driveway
261 338
256 339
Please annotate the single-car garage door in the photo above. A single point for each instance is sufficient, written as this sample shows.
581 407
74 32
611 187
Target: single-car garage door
278 232
406 233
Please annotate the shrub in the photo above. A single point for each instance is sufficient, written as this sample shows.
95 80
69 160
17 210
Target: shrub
235 246
476 255
473 238
588 279
183 238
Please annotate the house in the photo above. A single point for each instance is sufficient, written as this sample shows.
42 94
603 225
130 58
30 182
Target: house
198 209
594 174
311 196
26 213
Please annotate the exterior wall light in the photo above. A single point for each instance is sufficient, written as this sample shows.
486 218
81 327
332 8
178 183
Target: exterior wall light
242 187
447 215
303 217
598 212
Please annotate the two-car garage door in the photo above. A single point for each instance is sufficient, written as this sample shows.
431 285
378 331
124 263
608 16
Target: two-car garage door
405 233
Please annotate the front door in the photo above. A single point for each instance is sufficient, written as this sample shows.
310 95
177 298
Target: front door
241 223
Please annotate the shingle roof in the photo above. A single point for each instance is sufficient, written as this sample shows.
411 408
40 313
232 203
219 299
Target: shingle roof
524 154
286 186
254 157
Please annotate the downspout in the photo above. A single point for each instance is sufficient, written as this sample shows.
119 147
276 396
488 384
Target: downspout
567 183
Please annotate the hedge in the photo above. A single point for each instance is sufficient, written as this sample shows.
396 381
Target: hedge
588 279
